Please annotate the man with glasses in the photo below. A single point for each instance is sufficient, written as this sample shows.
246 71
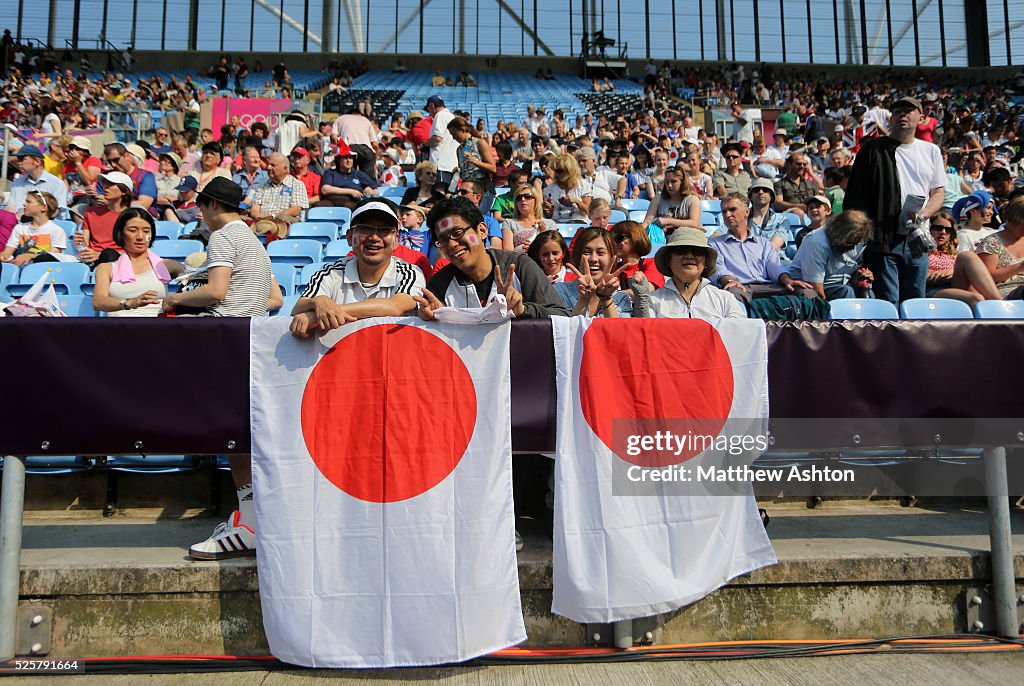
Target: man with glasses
370 282
162 143
896 180
732 179
794 189
476 274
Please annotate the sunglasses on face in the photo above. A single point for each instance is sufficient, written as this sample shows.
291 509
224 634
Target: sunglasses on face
942 227
620 237
525 197
732 157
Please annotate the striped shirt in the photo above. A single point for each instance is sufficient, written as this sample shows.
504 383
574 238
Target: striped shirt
340 281
236 246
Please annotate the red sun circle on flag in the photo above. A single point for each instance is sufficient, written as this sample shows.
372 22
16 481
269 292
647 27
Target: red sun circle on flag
635 380
388 413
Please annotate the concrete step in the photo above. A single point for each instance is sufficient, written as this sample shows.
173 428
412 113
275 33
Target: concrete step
122 585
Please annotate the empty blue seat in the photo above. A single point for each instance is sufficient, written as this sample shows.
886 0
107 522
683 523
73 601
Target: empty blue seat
336 215
637 215
286 308
151 464
296 252
393 193
935 308
863 308
177 249
8 274
285 275
713 205
68 226
569 230
337 248
324 232
67 277
999 309
168 230
631 204
616 216
77 305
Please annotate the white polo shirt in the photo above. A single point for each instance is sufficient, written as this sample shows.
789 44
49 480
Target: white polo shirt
340 282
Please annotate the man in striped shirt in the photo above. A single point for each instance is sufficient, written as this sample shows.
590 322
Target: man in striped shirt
370 282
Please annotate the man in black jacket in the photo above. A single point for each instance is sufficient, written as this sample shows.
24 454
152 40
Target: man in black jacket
897 178
477 273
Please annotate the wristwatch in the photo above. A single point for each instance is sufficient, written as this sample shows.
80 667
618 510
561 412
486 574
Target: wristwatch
124 304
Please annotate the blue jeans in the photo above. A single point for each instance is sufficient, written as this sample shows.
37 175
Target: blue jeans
898 274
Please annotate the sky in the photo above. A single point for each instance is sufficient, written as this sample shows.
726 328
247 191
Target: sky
673 27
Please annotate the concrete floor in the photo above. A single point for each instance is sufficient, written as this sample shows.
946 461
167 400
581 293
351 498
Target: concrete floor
1004 668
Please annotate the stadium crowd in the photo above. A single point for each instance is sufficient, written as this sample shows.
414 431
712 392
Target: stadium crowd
895 190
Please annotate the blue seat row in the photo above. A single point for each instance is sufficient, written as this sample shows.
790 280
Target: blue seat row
925 308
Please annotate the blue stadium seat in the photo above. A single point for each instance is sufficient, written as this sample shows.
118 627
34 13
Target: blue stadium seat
713 205
67 277
935 308
999 309
286 308
177 249
795 222
285 275
637 215
325 232
77 305
168 230
55 464
69 226
151 464
337 248
631 204
296 252
393 193
306 274
863 308
569 230
336 215
616 217
8 274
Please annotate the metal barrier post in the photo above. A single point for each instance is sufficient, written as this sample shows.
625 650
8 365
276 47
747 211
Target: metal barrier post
1003 588
622 633
12 505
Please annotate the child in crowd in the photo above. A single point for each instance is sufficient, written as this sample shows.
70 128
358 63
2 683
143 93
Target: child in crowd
600 213
412 234
549 250
185 208
819 211
39 239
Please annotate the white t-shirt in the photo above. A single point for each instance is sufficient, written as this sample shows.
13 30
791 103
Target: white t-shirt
919 166
568 213
968 239
46 238
446 153
605 183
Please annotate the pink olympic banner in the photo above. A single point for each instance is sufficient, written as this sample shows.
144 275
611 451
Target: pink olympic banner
249 111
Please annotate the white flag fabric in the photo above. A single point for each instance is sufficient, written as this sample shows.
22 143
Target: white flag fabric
622 556
383 493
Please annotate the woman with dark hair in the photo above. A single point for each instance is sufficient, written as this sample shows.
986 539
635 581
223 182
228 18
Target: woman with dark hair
476 159
134 285
503 164
596 290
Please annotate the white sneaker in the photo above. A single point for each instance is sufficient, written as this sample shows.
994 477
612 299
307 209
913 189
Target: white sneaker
229 539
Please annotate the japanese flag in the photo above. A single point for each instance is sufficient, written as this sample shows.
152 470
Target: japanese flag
626 548
383 493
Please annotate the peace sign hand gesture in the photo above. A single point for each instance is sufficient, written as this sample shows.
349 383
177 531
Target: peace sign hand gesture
427 305
585 285
506 288
610 283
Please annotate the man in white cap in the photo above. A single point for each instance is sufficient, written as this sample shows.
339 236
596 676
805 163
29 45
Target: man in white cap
129 159
34 177
370 282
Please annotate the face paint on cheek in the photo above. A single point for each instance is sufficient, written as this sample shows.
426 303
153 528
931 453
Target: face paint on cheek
472 239
356 240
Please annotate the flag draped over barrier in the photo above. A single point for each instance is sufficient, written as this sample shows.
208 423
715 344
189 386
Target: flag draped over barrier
383 493
651 548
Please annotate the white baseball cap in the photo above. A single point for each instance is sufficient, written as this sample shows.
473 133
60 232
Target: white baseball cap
119 178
